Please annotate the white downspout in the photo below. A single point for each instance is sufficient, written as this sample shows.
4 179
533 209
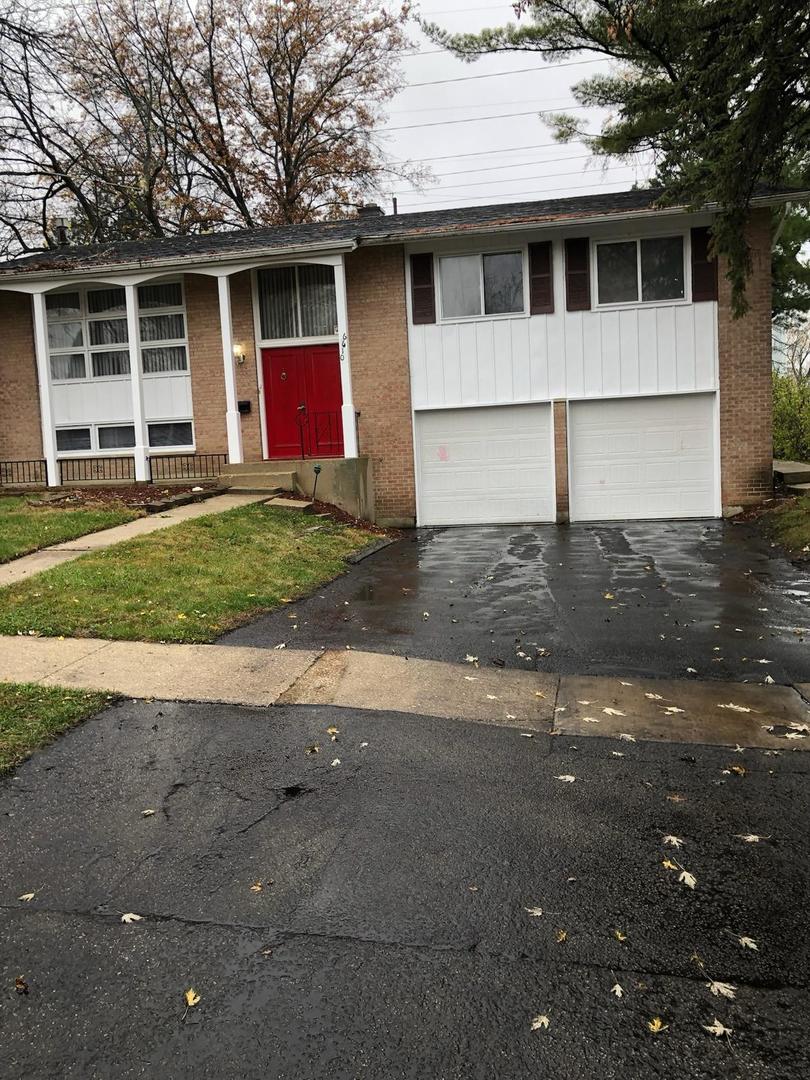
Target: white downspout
44 381
350 448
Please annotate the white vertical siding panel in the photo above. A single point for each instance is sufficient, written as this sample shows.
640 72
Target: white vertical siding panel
451 366
521 359
647 351
167 397
592 324
611 354
468 362
92 402
556 355
434 364
665 337
502 359
538 356
416 352
629 381
685 348
705 345
574 373
485 356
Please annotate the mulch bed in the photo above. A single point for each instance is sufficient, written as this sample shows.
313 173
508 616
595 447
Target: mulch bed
342 516
134 495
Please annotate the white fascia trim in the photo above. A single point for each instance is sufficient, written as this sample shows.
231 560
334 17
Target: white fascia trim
44 280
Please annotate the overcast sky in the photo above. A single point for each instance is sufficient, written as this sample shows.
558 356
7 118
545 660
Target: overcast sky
440 120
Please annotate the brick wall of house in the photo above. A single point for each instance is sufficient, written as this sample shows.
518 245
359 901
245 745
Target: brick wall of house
746 415
378 344
561 458
20 429
207 369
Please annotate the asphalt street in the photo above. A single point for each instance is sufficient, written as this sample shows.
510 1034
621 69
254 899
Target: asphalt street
646 599
368 918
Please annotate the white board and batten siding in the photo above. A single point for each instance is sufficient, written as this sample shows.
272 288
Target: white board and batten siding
109 401
485 466
665 351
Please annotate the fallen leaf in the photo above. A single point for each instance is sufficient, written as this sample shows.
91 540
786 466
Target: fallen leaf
608 711
749 943
539 693
795 735
654 697
192 998
26 896
676 798
799 727
609 596
535 912
539 1022
147 813
750 838
671 710
363 745
668 864
425 614
591 720
619 935
692 671
717 1028
336 762
256 886
625 683
626 737
566 778
20 985
492 697
333 732
561 936
471 678
617 753
768 679
722 989
673 841
688 879
584 703
471 659
616 990
734 708
281 645
740 770
130 916
313 748
526 735
657 1025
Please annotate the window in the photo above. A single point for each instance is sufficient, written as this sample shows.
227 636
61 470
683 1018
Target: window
297 301
68 366
651 269
481 284
69 439
108 364
116 438
163 330
173 433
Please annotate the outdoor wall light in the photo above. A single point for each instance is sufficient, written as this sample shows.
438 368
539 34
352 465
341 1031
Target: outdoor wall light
239 352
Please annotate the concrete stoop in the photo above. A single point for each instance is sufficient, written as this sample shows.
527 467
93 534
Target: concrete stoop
795 475
257 478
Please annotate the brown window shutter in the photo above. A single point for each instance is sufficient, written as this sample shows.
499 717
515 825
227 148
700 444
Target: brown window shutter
577 274
704 269
541 281
423 292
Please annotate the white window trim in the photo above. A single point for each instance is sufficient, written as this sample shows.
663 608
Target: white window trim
96 450
521 249
180 309
289 342
619 305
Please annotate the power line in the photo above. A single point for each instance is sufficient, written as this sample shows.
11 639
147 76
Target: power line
516 180
500 74
535 194
471 105
476 119
481 153
515 165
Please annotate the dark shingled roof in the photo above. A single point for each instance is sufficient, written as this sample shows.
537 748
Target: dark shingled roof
368 227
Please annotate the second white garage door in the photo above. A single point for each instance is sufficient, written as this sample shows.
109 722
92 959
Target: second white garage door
485 466
642 458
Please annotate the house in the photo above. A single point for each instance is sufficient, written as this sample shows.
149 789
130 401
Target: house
533 362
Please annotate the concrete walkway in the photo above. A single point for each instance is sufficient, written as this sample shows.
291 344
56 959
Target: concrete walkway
45 558
719 713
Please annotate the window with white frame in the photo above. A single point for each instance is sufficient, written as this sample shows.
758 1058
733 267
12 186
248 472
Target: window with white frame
481 284
112 438
297 302
87 334
640 271
162 322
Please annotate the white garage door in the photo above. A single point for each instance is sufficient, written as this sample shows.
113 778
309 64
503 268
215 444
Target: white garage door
642 458
485 466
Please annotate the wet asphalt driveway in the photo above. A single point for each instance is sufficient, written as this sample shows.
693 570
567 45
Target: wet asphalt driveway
643 598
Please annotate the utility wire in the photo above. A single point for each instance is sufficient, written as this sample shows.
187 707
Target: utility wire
515 180
535 195
500 74
476 119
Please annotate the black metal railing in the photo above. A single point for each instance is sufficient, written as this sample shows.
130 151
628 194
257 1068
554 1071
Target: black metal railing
76 470
16 473
320 434
186 466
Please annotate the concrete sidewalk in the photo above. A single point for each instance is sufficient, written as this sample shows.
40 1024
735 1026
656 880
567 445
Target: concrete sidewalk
719 713
45 558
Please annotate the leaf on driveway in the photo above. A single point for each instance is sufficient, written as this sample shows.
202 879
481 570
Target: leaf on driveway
657 1025
609 711
191 998
750 838
735 708
333 732
721 989
692 671
147 813
671 709
717 1028
748 943
591 720
566 778
313 748
425 614
668 864
535 912
26 896
626 736
584 702
673 841
539 1022
281 645
130 917
561 936
619 935
608 596
526 735
617 753
625 683
617 991
795 735
470 659
336 762
20 985
688 879
655 697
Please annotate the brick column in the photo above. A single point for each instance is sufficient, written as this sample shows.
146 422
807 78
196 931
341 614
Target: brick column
561 459
744 350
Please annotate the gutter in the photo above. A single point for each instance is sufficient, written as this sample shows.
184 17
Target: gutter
179 263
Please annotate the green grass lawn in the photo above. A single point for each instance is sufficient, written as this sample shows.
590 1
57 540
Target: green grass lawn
190 582
25 528
31 716
789 525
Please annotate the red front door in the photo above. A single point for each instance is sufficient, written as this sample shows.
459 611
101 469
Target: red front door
302 400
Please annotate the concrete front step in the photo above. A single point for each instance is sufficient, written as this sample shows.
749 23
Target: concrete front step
302 505
257 479
262 467
797 489
792 472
